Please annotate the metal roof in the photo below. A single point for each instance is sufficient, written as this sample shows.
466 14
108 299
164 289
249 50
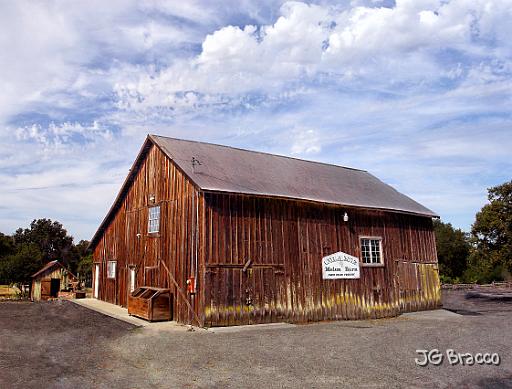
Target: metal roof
227 169
217 168
50 265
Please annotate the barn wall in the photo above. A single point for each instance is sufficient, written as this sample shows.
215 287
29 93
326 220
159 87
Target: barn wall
176 244
286 241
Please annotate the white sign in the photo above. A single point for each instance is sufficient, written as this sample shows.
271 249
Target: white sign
340 265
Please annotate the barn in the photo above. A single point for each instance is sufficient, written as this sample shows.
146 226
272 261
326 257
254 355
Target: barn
51 279
242 237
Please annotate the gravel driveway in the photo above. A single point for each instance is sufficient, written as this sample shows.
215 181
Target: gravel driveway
60 344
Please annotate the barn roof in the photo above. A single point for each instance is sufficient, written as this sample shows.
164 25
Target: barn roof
228 169
48 266
218 168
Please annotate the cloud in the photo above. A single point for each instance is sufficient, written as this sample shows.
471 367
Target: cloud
308 44
417 92
305 142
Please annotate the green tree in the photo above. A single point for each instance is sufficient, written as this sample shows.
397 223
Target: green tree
53 242
6 248
6 245
18 267
453 249
492 234
84 267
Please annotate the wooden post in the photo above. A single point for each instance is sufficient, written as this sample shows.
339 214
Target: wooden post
178 289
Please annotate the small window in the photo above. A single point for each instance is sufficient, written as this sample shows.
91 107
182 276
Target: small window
111 269
154 219
371 251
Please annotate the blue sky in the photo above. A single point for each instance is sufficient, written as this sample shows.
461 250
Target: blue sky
418 92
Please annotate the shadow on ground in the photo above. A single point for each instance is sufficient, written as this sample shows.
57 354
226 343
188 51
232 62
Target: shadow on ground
61 344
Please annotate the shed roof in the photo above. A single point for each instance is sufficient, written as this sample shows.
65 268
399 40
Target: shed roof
218 168
48 266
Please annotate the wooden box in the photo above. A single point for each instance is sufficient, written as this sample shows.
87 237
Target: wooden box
150 303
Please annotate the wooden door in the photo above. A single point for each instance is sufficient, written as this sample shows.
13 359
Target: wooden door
418 285
132 280
46 286
96 280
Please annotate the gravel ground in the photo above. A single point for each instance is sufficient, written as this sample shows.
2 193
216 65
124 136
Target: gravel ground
60 344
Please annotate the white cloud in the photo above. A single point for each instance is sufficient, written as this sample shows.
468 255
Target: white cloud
418 93
311 42
305 142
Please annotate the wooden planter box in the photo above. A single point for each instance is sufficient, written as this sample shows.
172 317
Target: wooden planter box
150 303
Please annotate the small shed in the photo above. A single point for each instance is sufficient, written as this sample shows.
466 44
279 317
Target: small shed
50 280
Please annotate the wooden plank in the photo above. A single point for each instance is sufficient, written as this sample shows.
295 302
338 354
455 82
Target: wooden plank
279 235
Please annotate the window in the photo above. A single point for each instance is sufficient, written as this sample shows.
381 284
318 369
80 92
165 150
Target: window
111 269
371 251
154 219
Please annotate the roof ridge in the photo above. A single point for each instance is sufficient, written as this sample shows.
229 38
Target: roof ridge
258 152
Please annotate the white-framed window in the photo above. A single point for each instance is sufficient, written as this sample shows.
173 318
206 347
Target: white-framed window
154 219
371 250
111 269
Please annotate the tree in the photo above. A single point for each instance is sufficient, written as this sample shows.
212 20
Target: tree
6 248
6 245
53 242
18 268
492 233
453 249
84 267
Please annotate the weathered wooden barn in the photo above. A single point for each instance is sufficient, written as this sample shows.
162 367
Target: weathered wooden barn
243 237
50 280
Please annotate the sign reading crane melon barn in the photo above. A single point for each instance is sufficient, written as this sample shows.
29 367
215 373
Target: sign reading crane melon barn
340 265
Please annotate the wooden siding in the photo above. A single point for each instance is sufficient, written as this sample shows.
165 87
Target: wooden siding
177 242
54 272
213 236
286 240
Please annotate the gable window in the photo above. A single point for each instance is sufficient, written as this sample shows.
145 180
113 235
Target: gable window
371 250
111 269
154 219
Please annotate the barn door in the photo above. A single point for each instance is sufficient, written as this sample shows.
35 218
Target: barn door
96 280
418 286
264 288
236 296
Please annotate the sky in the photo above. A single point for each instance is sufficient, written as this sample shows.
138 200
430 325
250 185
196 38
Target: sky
417 92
